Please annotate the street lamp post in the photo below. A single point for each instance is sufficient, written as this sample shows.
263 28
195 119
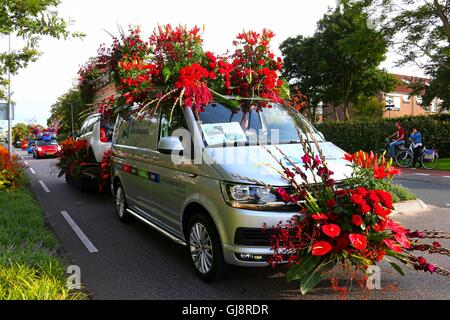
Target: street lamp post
389 105
9 104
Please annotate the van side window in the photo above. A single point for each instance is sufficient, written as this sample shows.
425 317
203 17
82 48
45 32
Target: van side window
169 124
140 132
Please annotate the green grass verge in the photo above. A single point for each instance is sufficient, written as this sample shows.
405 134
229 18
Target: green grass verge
30 268
400 193
444 164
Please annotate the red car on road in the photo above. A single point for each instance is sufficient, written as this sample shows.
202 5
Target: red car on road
24 144
46 149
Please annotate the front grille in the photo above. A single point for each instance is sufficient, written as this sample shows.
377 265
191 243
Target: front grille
253 237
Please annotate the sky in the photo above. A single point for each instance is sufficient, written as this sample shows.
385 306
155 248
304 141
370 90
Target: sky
38 86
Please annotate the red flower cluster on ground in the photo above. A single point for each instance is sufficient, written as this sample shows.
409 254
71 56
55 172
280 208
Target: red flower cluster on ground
10 170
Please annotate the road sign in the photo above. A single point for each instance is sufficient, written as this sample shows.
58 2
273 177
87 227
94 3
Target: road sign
4 111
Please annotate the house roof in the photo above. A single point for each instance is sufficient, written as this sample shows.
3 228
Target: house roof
405 81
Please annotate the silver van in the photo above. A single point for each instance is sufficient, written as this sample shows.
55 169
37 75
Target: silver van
200 179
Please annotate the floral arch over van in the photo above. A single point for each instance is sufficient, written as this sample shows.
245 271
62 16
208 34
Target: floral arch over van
172 66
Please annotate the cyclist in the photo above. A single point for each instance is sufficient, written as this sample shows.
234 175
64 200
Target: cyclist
416 140
400 135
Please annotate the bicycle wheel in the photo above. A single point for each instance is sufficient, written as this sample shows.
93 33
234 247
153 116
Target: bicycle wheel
404 159
428 163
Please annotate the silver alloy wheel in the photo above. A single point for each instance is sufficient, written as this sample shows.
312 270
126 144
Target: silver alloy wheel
120 202
201 248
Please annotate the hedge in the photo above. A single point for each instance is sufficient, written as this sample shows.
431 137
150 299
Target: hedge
371 134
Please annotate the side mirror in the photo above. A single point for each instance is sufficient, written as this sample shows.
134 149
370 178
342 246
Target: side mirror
169 145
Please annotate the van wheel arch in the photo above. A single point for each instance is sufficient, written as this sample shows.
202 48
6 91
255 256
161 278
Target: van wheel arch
192 209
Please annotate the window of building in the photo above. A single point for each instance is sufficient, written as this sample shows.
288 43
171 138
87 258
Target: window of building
434 105
419 100
406 98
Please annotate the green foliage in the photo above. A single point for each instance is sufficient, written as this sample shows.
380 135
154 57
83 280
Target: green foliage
20 131
21 282
419 31
62 109
29 266
368 107
29 20
399 193
444 164
370 134
340 62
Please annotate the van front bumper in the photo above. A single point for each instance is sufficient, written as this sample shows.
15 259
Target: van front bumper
245 243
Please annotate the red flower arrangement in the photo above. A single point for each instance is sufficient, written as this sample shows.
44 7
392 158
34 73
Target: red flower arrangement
73 154
74 161
173 67
350 226
105 171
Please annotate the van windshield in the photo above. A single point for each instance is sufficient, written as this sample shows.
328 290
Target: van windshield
222 126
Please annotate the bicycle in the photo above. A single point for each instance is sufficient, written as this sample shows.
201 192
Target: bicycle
429 158
386 151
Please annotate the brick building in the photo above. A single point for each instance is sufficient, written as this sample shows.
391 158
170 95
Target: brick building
399 103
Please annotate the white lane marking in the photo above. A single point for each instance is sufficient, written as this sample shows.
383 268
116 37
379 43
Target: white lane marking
44 186
26 163
32 171
422 174
87 243
446 176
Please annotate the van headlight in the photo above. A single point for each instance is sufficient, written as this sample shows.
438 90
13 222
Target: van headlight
251 197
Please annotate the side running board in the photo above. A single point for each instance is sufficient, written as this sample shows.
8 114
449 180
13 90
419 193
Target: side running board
157 228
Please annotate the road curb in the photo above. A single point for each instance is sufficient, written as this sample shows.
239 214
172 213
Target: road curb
409 206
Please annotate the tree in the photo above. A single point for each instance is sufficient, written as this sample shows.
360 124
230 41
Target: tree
300 67
61 112
340 62
20 131
29 20
419 30
368 108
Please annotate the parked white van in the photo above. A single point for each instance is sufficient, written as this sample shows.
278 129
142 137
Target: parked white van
206 202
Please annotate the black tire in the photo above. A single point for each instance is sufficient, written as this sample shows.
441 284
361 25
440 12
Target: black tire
67 177
404 159
216 269
120 203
